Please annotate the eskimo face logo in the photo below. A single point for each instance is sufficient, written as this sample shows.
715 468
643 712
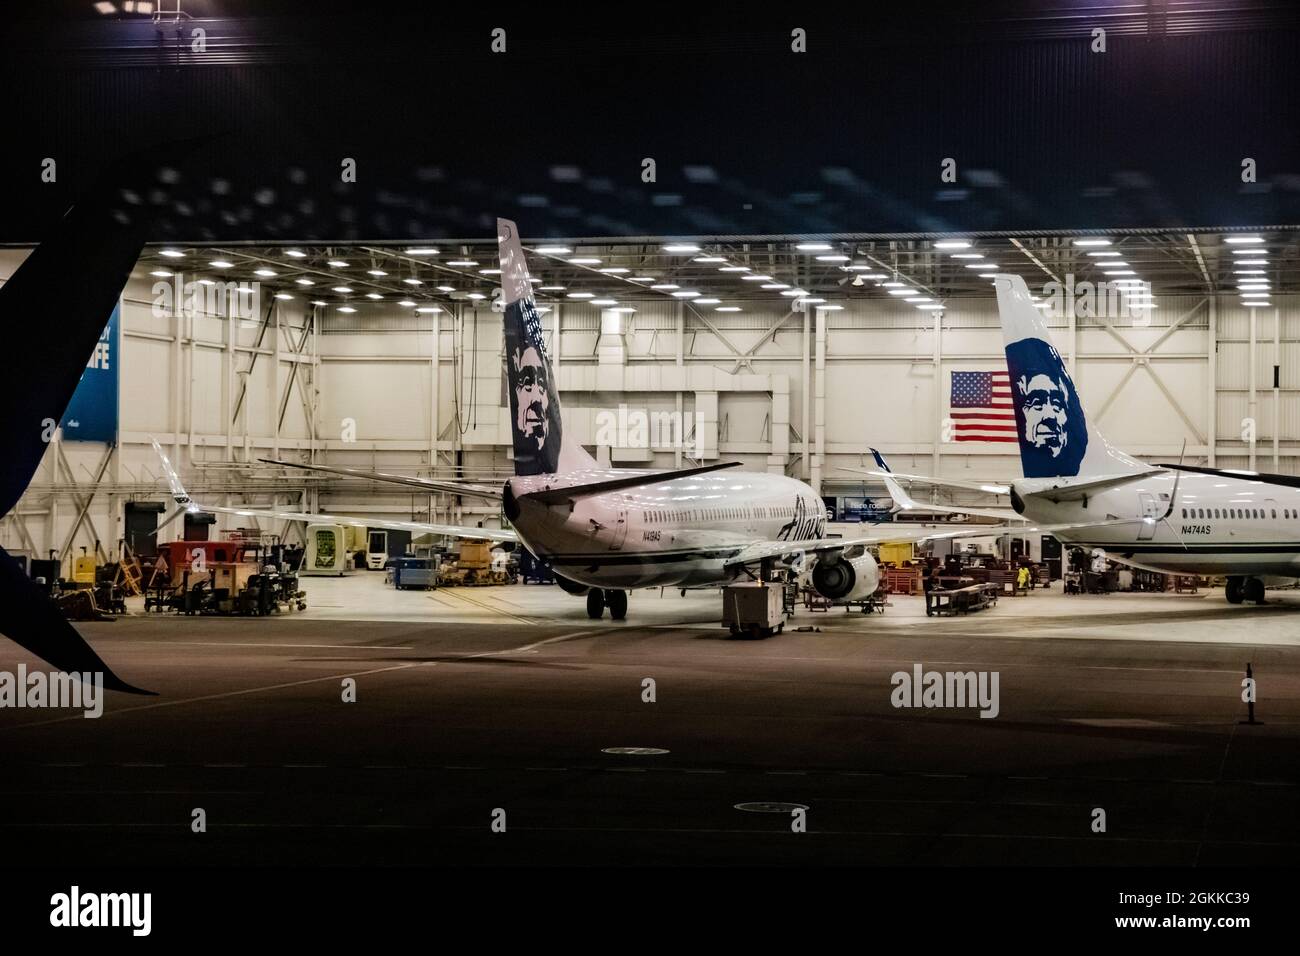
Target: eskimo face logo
1044 403
532 398
1053 432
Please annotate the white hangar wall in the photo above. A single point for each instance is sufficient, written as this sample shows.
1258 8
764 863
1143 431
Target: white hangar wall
806 394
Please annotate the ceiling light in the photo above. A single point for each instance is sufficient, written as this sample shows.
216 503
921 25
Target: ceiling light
413 282
614 271
903 291
1243 240
552 250
727 308
685 294
734 269
953 244
833 258
343 289
814 247
642 278
1250 252
304 282
221 264
171 253
265 273
465 263
582 295
428 309
373 295
584 261
681 247
707 301
406 303
757 278
604 302
489 272
206 282
546 288
162 273
967 255
283 295
929 308
295 253
709 259
337 264
376 272
916 299
1104 255
422 251
446 288
476 296
982 265
347 308
665 286
1092 242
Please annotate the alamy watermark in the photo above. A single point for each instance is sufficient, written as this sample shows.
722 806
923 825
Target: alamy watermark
1108 299
235 300
625 427
37 689
950 689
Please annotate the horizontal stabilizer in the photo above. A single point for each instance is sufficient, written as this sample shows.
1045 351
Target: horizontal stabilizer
554 496
435 485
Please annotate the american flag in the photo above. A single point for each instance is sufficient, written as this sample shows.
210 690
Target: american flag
980 407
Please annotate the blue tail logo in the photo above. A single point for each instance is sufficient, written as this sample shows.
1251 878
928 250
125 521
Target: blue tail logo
1050 422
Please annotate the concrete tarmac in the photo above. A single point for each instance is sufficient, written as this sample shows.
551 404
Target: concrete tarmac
477 705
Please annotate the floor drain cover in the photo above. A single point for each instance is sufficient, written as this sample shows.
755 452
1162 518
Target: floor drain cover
767 806
634 751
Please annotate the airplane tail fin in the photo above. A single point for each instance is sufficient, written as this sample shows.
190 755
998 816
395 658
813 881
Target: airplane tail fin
1056 440
101 237
182 497
535 417
902 501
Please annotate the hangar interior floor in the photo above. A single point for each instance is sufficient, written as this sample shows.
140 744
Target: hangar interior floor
472 701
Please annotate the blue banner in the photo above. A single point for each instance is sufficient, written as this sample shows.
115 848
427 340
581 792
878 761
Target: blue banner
92 413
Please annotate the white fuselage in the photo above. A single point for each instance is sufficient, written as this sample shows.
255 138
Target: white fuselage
1217 525
679 532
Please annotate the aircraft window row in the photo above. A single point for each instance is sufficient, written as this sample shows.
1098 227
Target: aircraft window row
715 514
1239 513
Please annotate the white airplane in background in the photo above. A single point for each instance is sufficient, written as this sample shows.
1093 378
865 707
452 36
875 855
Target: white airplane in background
604 531
1171 518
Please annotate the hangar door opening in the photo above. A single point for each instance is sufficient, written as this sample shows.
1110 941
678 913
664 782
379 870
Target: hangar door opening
141 527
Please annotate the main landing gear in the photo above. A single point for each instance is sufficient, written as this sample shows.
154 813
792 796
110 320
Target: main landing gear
1244 589
600 598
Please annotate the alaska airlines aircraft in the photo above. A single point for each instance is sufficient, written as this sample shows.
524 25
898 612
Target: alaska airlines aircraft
604 531
1174 518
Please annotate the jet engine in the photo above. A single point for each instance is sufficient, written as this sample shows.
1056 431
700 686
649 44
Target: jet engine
570 587
850 576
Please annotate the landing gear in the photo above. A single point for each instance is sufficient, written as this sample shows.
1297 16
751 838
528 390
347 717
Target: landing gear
617 601
1253 590
600 598
1240 589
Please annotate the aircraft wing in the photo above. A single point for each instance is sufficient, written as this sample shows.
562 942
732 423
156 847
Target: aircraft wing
988 487
186 503
899 533
904 502
451 486
415 527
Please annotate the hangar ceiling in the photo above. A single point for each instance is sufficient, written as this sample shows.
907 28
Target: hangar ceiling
733 274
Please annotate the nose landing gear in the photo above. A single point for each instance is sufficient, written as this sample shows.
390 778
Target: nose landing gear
598 599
